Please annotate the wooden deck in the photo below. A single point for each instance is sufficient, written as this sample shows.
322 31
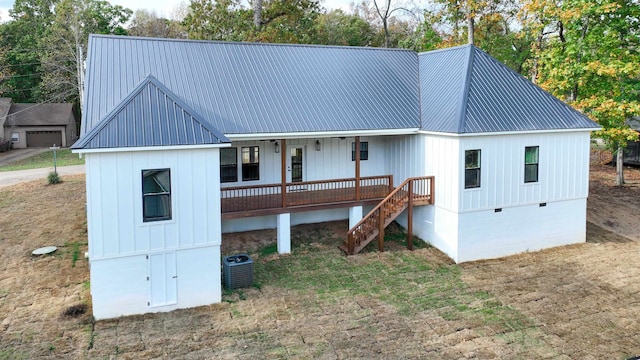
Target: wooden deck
259 200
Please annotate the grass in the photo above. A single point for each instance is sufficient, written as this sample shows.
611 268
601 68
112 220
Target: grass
402 279
64 157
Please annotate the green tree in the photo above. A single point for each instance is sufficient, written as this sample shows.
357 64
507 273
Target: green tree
280 21
147 23
338 28
65 43
587 54
20 39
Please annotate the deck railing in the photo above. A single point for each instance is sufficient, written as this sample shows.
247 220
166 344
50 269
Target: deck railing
413 191
269 196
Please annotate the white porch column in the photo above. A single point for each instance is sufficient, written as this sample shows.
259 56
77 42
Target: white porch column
284 233
355 215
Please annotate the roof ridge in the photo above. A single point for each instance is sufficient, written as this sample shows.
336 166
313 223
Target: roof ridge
462 117
149 79
457 47
249 43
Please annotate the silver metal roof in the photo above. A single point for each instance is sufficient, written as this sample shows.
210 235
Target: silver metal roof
464 90
247 88
150 115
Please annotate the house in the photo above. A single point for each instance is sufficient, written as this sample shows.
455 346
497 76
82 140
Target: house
632 151
193 139
37 125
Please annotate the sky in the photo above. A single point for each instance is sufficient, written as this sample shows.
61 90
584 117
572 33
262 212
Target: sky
163 8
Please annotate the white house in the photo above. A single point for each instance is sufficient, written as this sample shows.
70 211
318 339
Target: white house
185 140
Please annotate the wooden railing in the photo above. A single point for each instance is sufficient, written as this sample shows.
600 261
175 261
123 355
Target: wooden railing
270 196
413 191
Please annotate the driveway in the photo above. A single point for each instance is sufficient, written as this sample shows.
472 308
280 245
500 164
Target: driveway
8 157
8 178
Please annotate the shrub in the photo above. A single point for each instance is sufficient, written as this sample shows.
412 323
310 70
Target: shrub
5 145
53 178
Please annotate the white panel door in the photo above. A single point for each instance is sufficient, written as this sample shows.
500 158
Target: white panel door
162 279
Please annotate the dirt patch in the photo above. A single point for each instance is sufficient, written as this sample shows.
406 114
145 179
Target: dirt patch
578 301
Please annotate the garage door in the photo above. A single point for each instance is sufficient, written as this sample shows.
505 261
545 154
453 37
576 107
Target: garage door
44 138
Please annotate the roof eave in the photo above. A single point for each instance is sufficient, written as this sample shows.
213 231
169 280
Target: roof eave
322 134
148 148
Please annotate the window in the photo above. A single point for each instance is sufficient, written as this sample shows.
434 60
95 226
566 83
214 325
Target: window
364 151
228 165
250 163
156 195
15 137
471 169
531 164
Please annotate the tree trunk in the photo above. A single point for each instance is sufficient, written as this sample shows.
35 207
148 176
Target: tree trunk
257 13
471 28
387 41
620 166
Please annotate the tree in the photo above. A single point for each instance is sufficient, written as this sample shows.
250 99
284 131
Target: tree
588 55
338 28
147 23
20 39
279 21
65 43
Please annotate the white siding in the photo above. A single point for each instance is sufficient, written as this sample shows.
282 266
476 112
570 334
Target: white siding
119 286
563 170
487 234
406 157
114 202
463 224
333 161
269 222
119 240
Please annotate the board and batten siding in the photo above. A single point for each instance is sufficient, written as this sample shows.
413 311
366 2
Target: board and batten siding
563 170
332 161
463 223
405 157
121 244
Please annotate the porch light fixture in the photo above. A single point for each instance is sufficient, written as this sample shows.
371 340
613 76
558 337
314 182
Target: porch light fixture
317 145
277 150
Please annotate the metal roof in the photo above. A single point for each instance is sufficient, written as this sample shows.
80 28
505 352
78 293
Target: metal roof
248 88
150 115
41 114
464 90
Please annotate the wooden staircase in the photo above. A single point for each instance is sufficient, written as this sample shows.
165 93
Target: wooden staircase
413 191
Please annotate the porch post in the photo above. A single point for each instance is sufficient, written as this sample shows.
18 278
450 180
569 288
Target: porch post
284 233
410 218
355 215
357 150
283 172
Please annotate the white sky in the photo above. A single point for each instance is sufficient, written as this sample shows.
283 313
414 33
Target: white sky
163 8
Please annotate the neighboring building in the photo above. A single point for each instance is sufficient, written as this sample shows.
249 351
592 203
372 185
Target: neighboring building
632 151
195 138
37 125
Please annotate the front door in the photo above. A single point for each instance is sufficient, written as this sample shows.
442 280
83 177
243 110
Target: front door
295 166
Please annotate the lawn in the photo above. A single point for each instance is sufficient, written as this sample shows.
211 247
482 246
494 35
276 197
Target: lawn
572 302
64 157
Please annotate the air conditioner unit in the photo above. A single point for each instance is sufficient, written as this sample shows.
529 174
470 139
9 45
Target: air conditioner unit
237 271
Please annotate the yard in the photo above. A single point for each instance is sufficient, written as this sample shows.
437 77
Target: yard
574 302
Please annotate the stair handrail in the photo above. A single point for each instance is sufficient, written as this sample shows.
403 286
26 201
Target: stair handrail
383 202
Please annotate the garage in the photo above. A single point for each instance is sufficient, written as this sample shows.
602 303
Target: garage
44 138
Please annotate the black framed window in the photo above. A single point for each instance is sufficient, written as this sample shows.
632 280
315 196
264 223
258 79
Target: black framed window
228 165
531 159
364 151
471 169
156 195
250 163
